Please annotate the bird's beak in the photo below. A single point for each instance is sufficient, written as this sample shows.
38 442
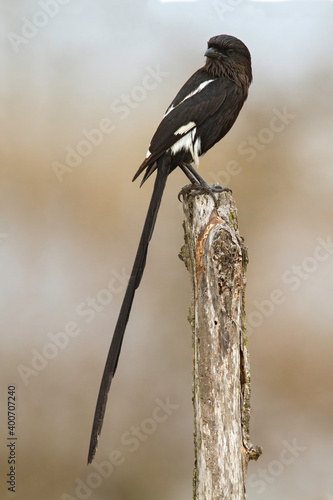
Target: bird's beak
211 52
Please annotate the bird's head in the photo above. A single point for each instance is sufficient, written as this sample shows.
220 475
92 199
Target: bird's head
228 56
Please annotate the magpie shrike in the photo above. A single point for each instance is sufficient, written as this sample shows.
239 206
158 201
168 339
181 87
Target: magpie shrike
201 114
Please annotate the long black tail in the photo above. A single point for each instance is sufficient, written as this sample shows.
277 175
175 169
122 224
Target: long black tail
163 170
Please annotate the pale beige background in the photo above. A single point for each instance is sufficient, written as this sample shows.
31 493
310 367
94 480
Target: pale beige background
62 242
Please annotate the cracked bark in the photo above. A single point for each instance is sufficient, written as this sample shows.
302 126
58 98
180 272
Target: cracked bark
216 258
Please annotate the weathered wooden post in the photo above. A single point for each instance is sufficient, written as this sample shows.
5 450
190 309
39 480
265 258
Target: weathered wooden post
216 258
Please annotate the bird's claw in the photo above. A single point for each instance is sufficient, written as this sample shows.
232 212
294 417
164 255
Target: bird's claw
194 189
185 191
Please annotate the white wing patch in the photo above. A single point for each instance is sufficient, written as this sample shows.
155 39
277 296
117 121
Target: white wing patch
184 128
187 143
184 142
201 86
196 151
198 89
168 111
148 153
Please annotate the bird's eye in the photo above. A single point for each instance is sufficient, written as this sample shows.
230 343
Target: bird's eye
230 51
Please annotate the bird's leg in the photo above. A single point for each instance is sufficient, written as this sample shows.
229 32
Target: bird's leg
194 174
187 172
198 184
187 189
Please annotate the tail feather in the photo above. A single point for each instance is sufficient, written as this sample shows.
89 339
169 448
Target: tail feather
163 169
150 164
141 169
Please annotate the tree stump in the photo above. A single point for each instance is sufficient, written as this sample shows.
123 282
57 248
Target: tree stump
216 258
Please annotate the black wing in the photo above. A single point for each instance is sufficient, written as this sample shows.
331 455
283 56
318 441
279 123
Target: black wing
188 107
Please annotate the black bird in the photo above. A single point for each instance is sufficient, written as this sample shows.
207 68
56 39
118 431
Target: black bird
201 114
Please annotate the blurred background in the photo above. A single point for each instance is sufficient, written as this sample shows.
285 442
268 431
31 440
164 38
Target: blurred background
83 86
